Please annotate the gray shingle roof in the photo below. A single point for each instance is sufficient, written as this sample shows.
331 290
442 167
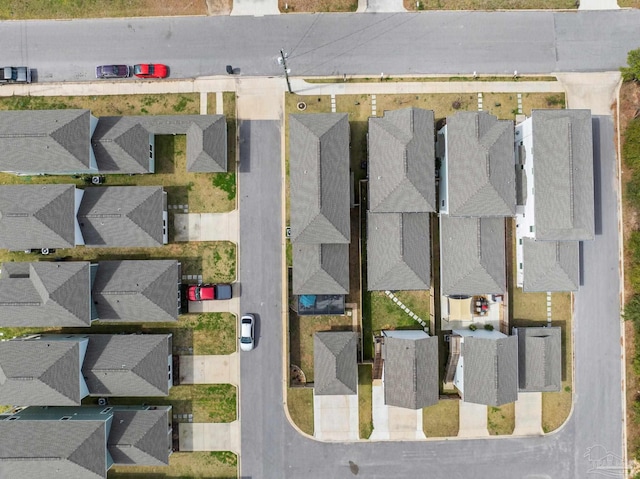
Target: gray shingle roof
125 216
472 255
137 291
398 251
37 216
45 141
40 373
402 162
121 145
550 265
563 174
490 370
480 165
140 437
539 359
334 363
410 369
127 365
320 268
43 294
53 449
319 178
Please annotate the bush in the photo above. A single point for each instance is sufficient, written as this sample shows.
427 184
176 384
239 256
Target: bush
473 327
631 147
488 327
632 71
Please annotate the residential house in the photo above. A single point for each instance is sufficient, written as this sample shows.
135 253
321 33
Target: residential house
60 370
335 363
320 203
410 371
539 359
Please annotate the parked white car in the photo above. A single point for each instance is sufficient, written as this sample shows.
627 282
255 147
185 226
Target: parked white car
247 323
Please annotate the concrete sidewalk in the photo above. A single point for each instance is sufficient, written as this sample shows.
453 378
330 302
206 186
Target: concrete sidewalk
210 436
207 226
222 369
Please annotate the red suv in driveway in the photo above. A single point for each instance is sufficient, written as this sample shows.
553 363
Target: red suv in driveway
150 70
208 292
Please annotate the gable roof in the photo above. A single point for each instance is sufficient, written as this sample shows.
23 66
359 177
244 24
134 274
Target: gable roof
402 162
41 373
126 216
563 174
480 165
37 216
121 145
140 437
320 268
45 293
45 141
472 255
410 369
539 359
137 290
127 365
398 251
53 449
550 265
490 370
319 178
335 363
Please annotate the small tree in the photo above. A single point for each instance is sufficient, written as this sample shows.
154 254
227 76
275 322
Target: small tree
632 71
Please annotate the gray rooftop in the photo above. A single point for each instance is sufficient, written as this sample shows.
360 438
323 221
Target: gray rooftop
563 175
140 437
402 162
550 265
37 216
539 359
40 373
127 365
45 141
334 363
398 251
472 255
490 370
319 178
43 294
410 369
121 145
320 268
53 449
137 290
122 216
480 165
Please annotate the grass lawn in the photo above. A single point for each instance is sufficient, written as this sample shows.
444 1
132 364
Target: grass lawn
489 4
365 400
211 103
182 465
385 314
291 6
501 420
442 419
300 403
531 101
301 331
481 78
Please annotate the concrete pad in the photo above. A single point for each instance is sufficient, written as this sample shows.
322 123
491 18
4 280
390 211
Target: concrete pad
394 423
335 418
528 415
210 436
222 306
206 227
210 369
596 91
261 100
385 6
598 5
473 420
255 8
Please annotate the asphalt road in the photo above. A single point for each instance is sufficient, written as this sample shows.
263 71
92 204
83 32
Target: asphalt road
271 448
329 44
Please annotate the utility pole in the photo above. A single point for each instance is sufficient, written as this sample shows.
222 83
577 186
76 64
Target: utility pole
283 61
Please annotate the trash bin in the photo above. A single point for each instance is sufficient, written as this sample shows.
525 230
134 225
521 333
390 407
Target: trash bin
229 69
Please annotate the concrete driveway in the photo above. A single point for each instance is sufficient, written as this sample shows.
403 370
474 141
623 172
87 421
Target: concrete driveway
473 420
206 226
219 306
528 414
394 423
335 418
210 436
210 369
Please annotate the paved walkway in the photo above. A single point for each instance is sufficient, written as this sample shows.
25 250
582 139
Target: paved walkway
528 414
394 423
210 436
385 6
473 420
223 369
598 5
335 418
206 226
255 8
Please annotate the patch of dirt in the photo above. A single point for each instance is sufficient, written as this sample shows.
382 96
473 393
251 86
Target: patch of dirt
219 7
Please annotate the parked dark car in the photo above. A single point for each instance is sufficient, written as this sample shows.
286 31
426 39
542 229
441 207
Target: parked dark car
208 292
150 70
15 75
113 71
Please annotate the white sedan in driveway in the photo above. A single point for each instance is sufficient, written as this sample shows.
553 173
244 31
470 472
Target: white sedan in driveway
247 323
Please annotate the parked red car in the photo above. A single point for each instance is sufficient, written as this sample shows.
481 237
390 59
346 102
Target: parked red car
208 292
150 70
